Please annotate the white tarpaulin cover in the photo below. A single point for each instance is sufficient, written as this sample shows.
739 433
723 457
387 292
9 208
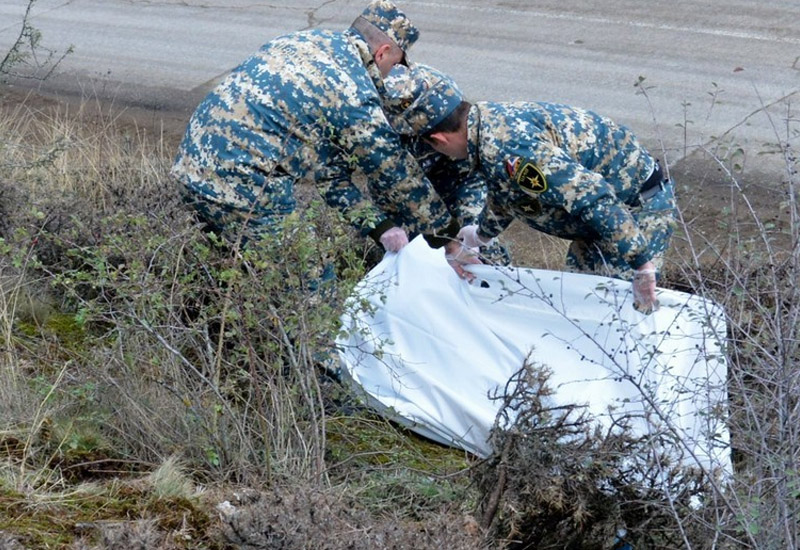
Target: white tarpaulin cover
429 349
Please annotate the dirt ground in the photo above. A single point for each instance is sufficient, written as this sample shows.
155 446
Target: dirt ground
709 192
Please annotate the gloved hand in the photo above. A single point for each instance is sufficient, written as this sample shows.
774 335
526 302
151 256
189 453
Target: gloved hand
644 289
394 239
469 236
458 255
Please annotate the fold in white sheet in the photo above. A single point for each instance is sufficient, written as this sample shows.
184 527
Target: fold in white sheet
431 349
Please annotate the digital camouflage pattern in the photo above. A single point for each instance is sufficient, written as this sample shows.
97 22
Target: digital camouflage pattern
573 174
393 22
418 98
305 108
655 218
403 87
462 190
464 198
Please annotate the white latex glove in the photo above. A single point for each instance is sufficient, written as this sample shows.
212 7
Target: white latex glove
458 255
394 239
644 289
469 236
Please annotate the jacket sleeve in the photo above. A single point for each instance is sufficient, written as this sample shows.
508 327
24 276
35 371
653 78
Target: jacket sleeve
394 179
495 216
336 182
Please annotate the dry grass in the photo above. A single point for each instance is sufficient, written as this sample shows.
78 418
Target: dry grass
142 361
142 358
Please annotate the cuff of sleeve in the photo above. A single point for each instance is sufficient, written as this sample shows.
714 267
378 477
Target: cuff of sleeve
640 260
482 235
438 240
380 229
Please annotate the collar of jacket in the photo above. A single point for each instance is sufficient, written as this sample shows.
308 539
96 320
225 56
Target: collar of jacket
369 61
474 137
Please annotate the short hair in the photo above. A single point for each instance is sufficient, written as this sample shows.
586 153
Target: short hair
453 122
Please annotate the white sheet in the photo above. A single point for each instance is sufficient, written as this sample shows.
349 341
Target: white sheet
430 349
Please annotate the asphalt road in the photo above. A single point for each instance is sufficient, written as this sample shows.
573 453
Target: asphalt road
711 69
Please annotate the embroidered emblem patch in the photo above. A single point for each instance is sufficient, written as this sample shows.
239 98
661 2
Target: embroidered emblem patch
531 208
530 178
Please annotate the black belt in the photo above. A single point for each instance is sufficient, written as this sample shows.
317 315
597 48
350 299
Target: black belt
654 183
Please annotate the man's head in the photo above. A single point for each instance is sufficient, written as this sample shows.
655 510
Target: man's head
388 32
425 102
450 137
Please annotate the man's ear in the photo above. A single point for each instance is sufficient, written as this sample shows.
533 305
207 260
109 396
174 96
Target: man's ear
382 51
438 138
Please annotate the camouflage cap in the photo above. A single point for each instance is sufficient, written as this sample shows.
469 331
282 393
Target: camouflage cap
393 22
402 86
419 98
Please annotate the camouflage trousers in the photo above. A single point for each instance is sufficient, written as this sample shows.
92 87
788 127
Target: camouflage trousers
656 219
235 223
283 234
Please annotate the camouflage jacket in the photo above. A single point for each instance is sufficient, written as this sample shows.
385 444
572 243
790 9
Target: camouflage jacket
565 171
306 107
462 190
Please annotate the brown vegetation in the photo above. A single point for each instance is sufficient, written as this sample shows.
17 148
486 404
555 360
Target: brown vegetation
160 389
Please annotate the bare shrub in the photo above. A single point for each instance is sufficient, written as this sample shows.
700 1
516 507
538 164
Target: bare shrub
164 341
189 343
558 479
754 277
743 253
27 52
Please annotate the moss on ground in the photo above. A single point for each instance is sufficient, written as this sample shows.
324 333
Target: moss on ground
392 468
57 520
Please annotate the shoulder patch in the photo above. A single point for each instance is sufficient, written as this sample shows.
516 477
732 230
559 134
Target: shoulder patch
530 178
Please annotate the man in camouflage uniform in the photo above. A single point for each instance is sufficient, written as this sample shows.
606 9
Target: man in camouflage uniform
306 108
562 170
462 190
